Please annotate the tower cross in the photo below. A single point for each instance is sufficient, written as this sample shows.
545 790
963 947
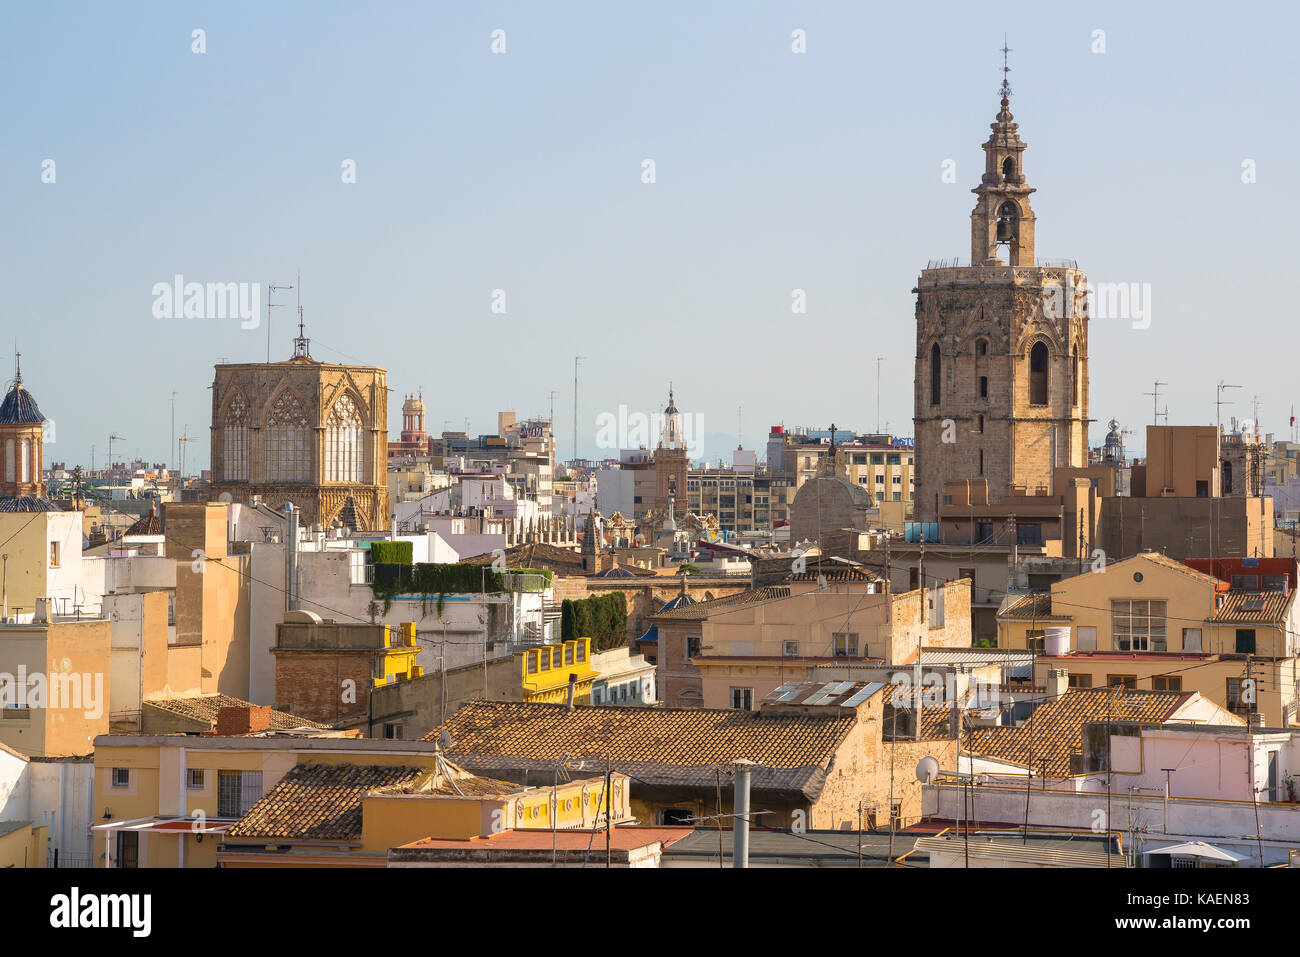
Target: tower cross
1006 85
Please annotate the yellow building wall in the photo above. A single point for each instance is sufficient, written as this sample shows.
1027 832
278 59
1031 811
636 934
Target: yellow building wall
24 847
1085 601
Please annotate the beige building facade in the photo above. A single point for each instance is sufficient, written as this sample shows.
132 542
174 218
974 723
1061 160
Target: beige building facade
307 432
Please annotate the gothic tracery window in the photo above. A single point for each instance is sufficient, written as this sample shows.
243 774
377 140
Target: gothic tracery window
344 443
234 435
287 443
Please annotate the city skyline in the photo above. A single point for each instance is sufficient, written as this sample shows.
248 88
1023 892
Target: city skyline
814 171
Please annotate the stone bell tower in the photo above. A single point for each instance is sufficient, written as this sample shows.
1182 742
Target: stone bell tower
1001 389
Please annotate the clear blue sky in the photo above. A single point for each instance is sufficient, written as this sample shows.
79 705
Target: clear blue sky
521 172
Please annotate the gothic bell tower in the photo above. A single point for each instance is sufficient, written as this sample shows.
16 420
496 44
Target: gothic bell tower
1001 388
1002 220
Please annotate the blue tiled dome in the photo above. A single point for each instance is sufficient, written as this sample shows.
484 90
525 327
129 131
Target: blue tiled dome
20 408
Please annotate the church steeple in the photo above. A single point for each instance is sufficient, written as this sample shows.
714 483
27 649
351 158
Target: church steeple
1002 216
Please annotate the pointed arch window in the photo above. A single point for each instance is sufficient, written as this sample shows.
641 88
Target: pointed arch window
1074 375
234 439
1038 374
287 447
344 443
936 374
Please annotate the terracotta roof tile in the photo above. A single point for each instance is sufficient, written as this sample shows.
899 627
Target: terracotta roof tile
204 708
1055 731
319 802
1263 607
702 609
685 738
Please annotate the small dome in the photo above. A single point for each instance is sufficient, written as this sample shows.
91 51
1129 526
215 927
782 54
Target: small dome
20 408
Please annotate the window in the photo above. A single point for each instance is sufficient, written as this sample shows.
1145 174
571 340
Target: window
121 777
966 573
1038 374
54 554
1034 640
344 443
891 460
790 649
194 779
981 348
392 731
288 454
237 791
937 592
979 422
1080 681
1137 625
981 454
1191 639
742 699
846 645
9 460
1239 702
935 374
1074 377
1245 641
1127 682
692 646
1029 533
984 387
1167 683
234 437
1087 637
877 458
1244 582
1008 169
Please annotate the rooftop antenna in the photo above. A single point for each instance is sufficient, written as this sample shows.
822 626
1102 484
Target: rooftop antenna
740 430
1155 402
1006 84
270 292
576 360
1219 403
301 345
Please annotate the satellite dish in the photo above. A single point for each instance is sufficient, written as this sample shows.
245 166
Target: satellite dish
444 740
225 497
927 769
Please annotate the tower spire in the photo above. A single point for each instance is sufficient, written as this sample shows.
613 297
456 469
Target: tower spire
1006 84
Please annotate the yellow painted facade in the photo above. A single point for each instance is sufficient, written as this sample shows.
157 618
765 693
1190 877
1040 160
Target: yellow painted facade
400 651
24 847
545 672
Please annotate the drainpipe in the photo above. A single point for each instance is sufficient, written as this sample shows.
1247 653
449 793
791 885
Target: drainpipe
573 684
291 558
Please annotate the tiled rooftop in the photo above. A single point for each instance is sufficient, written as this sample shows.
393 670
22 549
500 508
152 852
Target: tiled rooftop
686 737
702 609
319 802
1261 607
1056 729
204 708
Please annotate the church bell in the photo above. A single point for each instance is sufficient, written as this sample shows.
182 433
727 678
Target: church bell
1004 231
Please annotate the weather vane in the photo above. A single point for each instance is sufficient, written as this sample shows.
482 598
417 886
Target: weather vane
1006 85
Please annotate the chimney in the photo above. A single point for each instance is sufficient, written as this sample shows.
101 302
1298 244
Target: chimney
573 685
247 719
1058 683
